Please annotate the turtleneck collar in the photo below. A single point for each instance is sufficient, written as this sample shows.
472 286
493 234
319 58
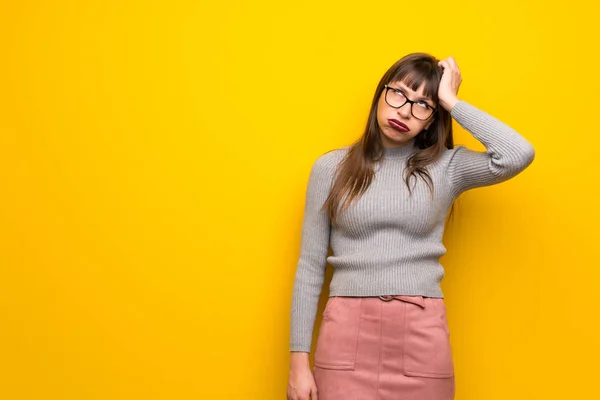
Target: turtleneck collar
399 152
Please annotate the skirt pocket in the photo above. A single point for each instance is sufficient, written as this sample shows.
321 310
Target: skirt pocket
338 336
427 349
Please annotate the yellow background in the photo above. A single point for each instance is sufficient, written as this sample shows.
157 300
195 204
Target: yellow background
154 157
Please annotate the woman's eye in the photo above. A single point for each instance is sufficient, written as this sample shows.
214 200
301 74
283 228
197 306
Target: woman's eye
423 104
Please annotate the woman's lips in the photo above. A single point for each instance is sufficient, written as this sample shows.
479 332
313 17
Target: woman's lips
394 123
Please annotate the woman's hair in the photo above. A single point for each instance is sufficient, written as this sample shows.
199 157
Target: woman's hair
355 172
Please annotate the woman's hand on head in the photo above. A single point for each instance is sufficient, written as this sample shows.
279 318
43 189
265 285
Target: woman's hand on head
451 80
301 384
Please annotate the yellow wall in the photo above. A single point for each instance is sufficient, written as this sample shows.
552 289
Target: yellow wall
153 162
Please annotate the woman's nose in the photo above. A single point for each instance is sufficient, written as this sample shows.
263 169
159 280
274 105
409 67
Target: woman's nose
405 110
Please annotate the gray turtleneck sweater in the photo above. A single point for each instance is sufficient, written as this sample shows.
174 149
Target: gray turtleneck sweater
388 242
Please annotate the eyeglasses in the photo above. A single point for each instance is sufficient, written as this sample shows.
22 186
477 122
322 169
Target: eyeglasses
396 99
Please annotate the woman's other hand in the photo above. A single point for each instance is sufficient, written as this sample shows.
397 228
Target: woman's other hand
301 384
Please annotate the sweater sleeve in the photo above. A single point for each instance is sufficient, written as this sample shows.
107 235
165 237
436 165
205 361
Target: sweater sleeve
507 152
310 270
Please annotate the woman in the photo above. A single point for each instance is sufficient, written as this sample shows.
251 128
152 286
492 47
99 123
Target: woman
381 204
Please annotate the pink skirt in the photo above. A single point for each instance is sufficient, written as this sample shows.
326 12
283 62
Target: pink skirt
384 348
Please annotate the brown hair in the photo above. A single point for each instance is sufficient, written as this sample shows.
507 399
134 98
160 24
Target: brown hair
355 172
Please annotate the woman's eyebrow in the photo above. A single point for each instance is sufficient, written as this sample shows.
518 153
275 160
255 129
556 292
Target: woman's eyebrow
404 88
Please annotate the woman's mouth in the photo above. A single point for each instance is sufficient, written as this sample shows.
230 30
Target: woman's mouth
394 123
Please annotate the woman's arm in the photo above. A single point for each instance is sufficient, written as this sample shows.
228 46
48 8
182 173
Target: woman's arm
310 271
507 152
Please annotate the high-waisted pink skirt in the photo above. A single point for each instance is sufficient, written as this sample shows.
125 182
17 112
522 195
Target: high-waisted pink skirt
384 348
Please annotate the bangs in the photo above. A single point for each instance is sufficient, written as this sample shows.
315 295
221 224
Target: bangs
414 75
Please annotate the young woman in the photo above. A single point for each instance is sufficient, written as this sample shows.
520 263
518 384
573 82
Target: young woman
381 205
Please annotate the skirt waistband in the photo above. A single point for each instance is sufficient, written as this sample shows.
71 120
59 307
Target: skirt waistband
418 300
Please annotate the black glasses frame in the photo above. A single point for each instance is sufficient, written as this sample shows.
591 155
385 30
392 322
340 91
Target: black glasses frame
387 88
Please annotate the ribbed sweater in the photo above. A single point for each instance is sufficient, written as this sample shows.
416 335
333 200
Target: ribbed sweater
389 242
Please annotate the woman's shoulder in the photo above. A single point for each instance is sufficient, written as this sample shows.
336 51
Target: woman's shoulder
331 158
326 164
447 154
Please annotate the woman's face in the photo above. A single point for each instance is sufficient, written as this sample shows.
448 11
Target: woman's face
392 135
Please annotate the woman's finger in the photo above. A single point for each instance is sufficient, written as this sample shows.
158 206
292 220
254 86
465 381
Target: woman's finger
448 66
452 62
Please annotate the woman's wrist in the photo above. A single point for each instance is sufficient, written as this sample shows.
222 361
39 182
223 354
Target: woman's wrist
449 103
299 359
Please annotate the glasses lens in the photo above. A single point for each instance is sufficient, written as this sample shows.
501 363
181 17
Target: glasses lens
395 99
421 110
